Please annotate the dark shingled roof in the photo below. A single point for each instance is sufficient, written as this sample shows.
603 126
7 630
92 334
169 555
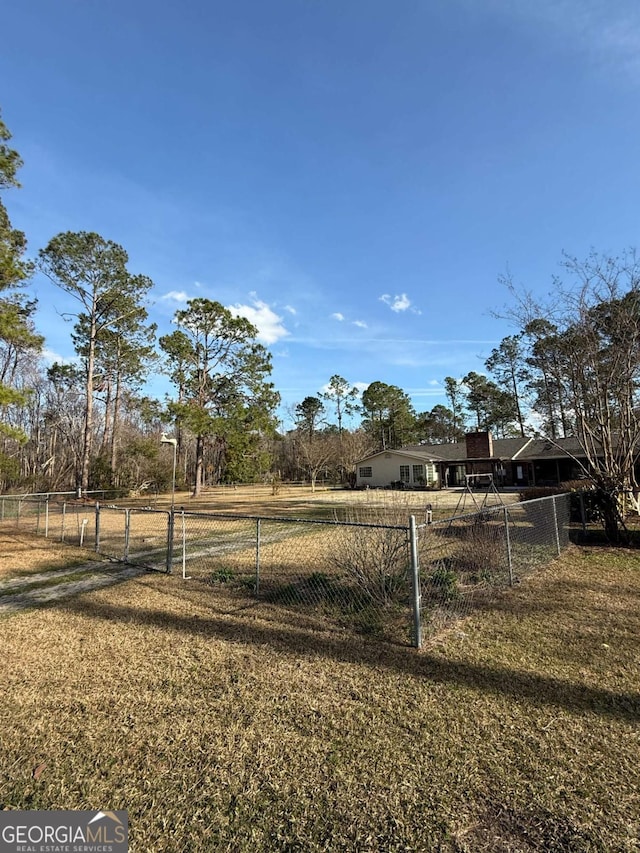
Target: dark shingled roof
503 448
544 448
526 449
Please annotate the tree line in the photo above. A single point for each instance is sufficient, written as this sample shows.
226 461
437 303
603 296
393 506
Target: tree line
571 368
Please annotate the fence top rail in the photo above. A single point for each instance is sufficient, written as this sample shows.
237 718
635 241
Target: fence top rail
23 495
147 509
289 520
545 498
491 510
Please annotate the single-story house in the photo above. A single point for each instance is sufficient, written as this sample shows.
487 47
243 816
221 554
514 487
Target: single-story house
511 462
411 467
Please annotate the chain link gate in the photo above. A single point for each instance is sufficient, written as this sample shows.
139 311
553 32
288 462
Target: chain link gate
137 536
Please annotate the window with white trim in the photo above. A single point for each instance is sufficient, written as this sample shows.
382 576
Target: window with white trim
404 474
418 473
366 471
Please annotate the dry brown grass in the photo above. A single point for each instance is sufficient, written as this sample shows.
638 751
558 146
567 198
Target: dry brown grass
21 555
255 730
301 500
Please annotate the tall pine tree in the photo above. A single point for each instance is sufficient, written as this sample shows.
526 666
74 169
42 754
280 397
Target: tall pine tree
17 334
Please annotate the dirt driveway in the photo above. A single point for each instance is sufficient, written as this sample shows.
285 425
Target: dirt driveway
36 571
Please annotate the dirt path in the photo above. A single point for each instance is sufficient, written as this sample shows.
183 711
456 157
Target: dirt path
37 589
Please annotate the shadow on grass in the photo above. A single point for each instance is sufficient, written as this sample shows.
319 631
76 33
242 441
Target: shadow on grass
517 684
595 537
558 596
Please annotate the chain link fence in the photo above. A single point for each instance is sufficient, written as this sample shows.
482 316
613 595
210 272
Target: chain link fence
399 581
71 522
465 561
355 575
137 536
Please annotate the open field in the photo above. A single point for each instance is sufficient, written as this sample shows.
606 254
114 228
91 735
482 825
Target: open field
253 729
297 500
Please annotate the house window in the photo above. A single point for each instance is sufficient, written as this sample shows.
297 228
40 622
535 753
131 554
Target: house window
418 473
366 471
404 474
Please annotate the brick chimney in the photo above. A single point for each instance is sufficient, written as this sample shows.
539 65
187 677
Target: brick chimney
479 445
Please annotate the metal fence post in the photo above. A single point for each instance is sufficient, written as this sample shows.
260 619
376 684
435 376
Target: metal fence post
46 518
170 523
415 583
507 536
127 523
185 577
97 542
64 518
583 515
555 523
257 557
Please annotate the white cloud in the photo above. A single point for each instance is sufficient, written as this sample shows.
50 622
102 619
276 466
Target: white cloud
176 296
290 309
423 392
51 357
360 324
337 316
396 303
266 321
608 32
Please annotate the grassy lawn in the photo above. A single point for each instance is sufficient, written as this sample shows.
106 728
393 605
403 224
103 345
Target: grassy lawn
323 502
22 555
253 729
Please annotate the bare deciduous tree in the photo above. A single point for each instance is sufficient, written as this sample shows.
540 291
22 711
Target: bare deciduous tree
596 321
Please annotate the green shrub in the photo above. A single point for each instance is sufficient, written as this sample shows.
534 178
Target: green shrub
445 582
223 575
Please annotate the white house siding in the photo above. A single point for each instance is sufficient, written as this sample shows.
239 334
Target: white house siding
385 469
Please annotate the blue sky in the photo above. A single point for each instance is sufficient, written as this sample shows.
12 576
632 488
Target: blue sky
355 177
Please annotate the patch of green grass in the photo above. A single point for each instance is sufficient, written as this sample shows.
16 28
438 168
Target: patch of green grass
445 582
223 574
44 583
58 565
